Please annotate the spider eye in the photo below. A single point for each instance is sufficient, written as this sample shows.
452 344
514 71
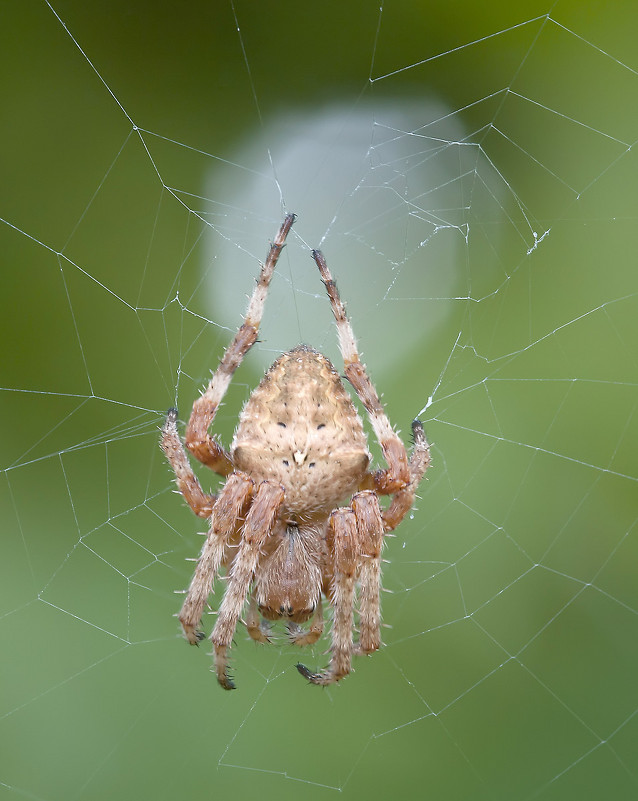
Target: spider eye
286 462
312 464
321 425
283 425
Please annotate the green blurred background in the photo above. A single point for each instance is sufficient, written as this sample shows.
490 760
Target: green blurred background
145 140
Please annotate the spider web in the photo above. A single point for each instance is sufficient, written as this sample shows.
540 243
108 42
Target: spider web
470 175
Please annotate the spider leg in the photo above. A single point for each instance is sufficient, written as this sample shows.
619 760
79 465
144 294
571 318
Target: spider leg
343 526
198 441
398 474
259 522
300 636
200 502
403 500
370 528
227 510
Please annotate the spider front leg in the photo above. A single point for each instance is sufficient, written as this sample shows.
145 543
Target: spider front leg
198 441
259 523
225 517
370 528
342 526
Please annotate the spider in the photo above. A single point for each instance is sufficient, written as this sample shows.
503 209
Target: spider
279 524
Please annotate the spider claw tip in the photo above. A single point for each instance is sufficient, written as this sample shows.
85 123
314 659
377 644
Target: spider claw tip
313 678
226 682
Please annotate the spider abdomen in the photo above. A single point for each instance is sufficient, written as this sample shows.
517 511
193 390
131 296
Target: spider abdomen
300 427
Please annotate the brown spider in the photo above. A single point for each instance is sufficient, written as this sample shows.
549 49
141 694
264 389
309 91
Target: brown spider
277 525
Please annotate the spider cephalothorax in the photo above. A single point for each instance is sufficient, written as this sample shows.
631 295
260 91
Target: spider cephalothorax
279 524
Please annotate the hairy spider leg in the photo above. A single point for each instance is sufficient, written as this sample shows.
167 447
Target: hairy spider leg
259 522
401 479
342 525
370 527
397 475
403 500
199 501
198 441
227 514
